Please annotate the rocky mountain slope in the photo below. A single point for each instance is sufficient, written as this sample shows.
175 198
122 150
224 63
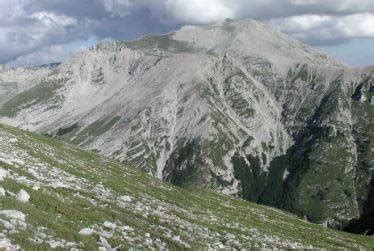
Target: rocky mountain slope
14 81
54 195
236 106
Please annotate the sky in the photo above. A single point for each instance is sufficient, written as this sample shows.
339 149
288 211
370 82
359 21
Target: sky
34 32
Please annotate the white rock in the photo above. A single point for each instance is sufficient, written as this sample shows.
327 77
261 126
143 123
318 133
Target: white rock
6 244
23 196
2 192
86 231
13 214
176 238
13 140
56 243
285 174
105 234
3 174
108 224
127 228
105 243
125 198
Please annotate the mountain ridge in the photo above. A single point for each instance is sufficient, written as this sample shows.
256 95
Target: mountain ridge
254 117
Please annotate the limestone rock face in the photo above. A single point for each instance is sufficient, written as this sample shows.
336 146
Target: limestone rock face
236 106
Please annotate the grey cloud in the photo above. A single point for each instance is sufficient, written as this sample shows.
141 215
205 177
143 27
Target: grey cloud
269 9
23 31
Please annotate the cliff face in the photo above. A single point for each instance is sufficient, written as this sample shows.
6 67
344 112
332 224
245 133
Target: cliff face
237 107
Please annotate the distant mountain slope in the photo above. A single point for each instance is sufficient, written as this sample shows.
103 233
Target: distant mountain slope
75 199
16 80
236 106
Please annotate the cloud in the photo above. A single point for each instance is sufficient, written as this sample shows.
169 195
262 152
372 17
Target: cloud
325 30
197 11
51 54
29 27
21 33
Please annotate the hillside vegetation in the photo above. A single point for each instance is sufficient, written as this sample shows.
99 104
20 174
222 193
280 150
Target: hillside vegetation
56 195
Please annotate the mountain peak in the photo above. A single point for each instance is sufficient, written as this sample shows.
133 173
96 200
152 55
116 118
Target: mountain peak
255 39
240 38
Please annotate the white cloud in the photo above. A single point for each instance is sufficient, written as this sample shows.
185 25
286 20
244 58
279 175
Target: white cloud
324 29
198 11
358 25
119 8
50 19
301 23
336 6
47 55
22 33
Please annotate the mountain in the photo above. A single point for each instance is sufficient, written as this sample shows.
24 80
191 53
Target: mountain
236 107
54 195
14 81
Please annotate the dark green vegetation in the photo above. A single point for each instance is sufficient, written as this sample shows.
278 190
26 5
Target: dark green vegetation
78 189
324 176
182 167
363 133
251 176
66 130
78 136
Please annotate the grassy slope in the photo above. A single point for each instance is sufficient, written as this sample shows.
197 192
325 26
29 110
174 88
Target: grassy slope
72 189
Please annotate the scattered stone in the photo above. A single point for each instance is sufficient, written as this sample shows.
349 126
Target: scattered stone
3 174
125 198
176 238
13 214
23 196
6 244
13 140
2 192
105 243
106 234
86 231
127 228
108 224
